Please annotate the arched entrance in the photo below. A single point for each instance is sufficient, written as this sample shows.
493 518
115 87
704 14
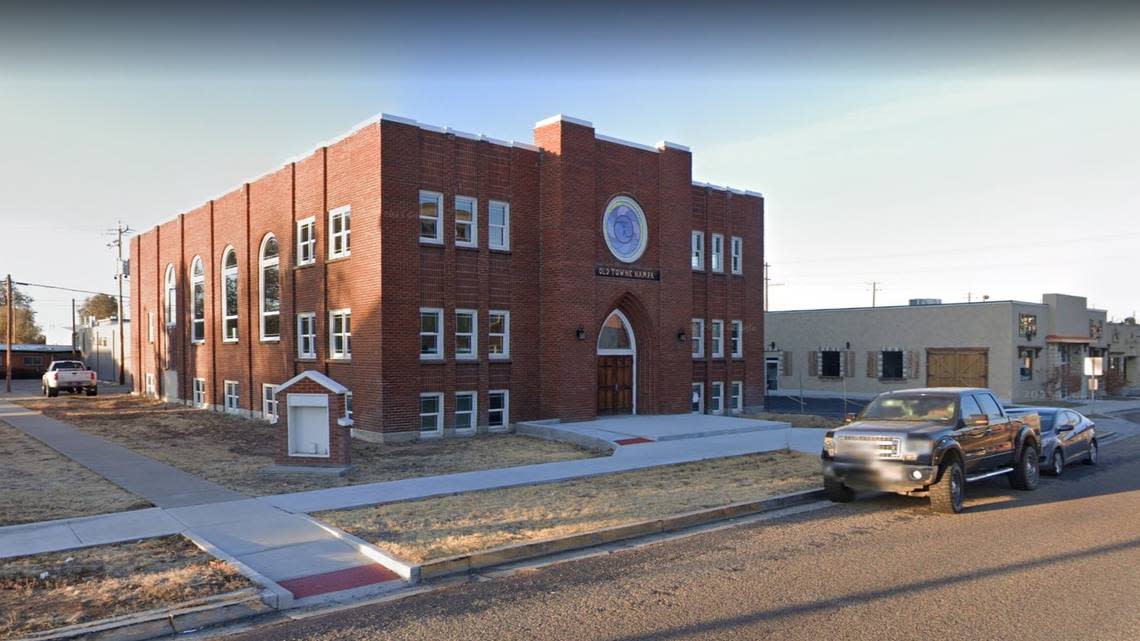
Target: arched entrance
617 366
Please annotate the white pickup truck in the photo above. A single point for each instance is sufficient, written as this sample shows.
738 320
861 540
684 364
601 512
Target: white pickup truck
72 376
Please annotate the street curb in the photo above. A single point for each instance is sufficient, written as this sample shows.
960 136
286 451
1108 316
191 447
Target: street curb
275 596
185 617
466 563
406 571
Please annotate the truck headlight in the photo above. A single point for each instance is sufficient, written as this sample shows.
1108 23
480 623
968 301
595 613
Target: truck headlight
914 448
829 445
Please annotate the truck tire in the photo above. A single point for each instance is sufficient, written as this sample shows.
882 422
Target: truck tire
1027 470
949 492
52 393
837 492
94 391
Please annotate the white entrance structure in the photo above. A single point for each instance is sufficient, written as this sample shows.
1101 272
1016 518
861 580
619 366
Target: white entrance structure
308 424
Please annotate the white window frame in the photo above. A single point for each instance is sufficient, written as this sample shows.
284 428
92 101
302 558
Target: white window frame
171 308
344 213
345 334
151 388
697 251
505 411
306 245
269 401
348 409
438 431
699 389
438 354
474 224
505 227
736 391
227 316
263 264
716 398
310 319
716 339
698 338
197 281
438 198
151 327
506 334
228 396
198 392
716 255
474 412
736 254
736 339
473 353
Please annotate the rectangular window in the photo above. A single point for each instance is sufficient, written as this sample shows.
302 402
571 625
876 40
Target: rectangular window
736 253
150 327
1026 358
150 388
431 414
499 225
698 251
466 217
736 339
431 217
717 253
230 402
465 414
268 401
831 364
431 334
698 399
717 340
306 335
466 341
1027 325
340 226
199 392
198 313
698 338
716 399
499 334
348 405
498 410
307 241
736 397
340 334
892 364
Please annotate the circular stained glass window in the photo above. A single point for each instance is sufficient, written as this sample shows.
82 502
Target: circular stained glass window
623 226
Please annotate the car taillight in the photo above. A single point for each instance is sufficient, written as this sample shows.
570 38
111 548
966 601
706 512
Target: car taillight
92 375
55 376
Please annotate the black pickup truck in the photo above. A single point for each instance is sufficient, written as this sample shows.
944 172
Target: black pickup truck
930 442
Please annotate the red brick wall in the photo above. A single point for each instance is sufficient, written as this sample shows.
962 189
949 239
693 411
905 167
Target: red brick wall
547 280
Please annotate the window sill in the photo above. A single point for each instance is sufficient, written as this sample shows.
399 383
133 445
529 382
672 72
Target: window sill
466 246
499 359
337 259
499 250
271 339
467 359
431 242
196 343
431 359
311 263
340 359
229 341
431 434
305 359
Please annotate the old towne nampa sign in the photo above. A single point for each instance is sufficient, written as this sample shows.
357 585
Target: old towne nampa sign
629 272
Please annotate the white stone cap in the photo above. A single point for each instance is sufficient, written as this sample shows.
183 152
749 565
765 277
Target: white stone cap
316 377
665 144
563 118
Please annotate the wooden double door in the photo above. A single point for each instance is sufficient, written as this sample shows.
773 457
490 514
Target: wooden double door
957 367
615 384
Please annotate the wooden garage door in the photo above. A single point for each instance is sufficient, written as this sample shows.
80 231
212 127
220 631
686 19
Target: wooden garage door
957 367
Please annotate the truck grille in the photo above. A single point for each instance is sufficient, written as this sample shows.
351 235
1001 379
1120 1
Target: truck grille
873 447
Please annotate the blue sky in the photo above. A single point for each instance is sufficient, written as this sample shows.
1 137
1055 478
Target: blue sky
942 152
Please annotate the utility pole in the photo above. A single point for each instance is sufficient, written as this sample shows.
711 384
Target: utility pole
74 333
874 293
120 273
8 344
768 283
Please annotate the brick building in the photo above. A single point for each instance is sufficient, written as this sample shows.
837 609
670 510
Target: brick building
458 283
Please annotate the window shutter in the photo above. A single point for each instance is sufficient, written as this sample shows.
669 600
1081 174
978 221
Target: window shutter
786 365
849 371
913 361
872 365
813 363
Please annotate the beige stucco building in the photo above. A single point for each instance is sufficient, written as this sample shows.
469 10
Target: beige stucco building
1022 350
1124 352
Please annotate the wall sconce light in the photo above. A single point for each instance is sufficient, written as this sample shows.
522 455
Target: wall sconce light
848 344
681 336
580 333
772 345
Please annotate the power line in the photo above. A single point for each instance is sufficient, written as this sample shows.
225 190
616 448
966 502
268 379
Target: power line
61 288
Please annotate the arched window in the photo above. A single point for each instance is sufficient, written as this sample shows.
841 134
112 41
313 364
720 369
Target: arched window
171 297
197 300
229 296
615 336
270 289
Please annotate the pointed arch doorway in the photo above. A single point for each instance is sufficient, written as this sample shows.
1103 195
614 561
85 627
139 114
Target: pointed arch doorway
617 366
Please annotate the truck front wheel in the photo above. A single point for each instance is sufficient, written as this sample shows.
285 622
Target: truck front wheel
837 492
949 493
53 392
1026 471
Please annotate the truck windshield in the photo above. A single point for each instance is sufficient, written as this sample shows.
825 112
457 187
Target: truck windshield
912 408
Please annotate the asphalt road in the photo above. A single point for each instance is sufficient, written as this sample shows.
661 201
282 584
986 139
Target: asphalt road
1059 563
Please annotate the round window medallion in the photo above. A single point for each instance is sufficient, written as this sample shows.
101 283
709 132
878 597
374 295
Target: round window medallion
623 226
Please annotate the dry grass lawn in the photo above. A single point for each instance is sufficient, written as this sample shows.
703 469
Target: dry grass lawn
434 528
233 451
799 420
105 581
39 484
